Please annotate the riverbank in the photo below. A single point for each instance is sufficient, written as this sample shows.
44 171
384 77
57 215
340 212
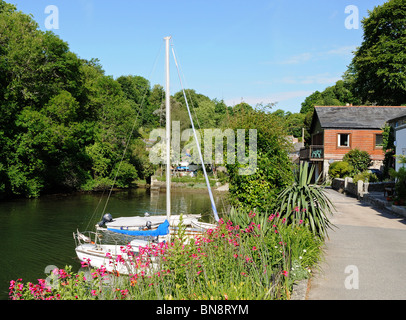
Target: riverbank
186 183
190 186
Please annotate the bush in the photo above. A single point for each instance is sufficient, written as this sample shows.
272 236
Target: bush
339 169
359 160
366 176
400 177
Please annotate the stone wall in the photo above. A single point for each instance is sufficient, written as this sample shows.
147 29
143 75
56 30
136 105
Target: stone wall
357 189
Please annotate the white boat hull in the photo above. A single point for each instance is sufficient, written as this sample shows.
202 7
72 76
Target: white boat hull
111 257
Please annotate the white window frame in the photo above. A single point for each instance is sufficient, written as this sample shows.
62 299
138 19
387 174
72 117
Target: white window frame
339 140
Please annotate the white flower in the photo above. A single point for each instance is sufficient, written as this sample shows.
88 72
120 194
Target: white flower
300 257
304 250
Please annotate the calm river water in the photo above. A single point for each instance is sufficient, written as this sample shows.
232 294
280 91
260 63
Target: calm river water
37 233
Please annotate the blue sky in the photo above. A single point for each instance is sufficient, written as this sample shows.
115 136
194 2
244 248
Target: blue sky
257 51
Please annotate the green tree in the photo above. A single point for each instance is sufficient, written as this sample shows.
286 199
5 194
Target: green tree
294 123
138 90
274 169
379 65
39 75
63 123
157 105
220 110
310 101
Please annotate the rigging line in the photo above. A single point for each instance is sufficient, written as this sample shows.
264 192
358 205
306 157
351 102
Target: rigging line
131 133
190 97
213 205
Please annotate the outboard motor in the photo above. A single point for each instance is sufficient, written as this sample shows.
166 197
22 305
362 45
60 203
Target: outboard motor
149 225
106 218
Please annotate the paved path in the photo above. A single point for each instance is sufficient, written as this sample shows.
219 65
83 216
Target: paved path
365 257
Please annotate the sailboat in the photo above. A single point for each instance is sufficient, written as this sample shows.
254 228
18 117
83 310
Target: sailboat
147 229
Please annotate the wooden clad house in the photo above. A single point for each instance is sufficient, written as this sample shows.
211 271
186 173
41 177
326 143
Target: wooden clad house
335 130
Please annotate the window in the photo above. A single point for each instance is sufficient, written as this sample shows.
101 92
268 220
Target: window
343 140
378 140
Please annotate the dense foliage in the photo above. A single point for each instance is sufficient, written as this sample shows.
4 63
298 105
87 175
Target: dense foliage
400 180
64 124
273 169
378 67
339 169
358 160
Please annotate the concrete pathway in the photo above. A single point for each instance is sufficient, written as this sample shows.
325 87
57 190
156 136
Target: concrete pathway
365 257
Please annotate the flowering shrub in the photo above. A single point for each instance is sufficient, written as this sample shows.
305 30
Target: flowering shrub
250 261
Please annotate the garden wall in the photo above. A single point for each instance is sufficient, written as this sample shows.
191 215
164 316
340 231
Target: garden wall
357 189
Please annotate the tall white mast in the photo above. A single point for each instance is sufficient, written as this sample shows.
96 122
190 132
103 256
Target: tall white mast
168 132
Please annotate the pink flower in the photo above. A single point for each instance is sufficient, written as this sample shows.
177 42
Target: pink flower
254 248
300 221
297 209
285 273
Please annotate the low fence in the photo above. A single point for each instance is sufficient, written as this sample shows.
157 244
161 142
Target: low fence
359 188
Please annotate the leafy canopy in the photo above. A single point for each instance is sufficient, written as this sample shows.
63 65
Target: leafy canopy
379 65
274 168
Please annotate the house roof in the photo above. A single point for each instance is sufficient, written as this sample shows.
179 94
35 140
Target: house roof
356 117
399 116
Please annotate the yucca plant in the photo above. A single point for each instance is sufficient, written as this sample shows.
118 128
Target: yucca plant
307 203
